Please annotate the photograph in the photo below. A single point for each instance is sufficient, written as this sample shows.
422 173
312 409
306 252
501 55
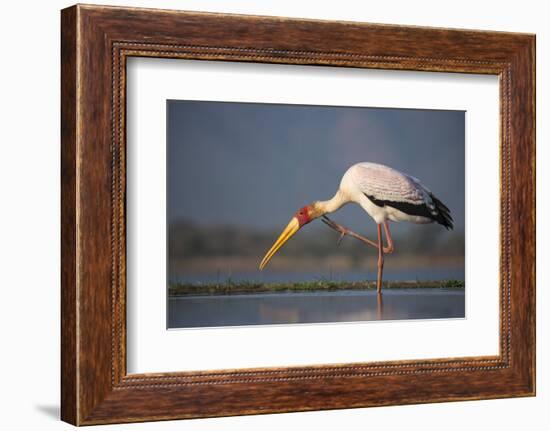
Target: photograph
284 214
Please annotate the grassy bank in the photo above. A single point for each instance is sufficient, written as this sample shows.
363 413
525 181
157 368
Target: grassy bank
180 289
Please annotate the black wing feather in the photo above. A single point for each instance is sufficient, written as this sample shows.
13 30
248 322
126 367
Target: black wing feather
440 213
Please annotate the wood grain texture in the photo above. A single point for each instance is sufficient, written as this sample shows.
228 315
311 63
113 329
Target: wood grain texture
96 41
69 397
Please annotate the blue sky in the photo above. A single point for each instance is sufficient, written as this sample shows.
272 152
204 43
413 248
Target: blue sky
254 165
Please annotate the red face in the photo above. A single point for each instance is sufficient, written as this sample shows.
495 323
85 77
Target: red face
303 216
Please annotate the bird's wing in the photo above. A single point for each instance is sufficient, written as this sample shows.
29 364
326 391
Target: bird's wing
389 185
386 186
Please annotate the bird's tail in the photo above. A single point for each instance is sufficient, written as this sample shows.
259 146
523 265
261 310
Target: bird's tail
443 216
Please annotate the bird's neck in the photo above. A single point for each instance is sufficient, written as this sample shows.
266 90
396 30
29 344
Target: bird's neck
326 207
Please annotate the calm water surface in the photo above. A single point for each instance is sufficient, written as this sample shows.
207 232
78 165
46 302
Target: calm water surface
195 311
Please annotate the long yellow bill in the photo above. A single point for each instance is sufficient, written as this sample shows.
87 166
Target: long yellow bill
289 231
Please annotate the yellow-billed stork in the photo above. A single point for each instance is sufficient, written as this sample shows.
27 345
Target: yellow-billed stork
385 194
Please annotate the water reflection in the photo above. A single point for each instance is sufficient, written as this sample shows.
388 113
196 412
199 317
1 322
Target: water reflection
314 307
379 306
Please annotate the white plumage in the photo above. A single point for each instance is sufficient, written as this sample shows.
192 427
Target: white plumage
387 183
387 194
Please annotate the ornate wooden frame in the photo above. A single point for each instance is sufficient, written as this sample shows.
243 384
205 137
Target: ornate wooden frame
95 43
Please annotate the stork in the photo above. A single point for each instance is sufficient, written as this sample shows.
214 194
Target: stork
386 194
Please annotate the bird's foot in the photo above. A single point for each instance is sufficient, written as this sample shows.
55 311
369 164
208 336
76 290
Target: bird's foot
343 231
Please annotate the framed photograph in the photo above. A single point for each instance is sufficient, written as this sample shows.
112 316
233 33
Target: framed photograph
266 215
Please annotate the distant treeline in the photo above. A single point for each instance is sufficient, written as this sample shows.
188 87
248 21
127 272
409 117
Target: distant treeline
189 240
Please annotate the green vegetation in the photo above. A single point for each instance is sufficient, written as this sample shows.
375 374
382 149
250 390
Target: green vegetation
230 287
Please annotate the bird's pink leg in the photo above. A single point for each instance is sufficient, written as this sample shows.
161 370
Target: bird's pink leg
380 259
343 231
389 248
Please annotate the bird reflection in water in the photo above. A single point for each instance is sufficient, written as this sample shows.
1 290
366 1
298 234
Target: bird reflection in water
284 312
379 306
279 314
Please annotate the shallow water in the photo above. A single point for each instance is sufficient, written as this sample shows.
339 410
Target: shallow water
196 311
